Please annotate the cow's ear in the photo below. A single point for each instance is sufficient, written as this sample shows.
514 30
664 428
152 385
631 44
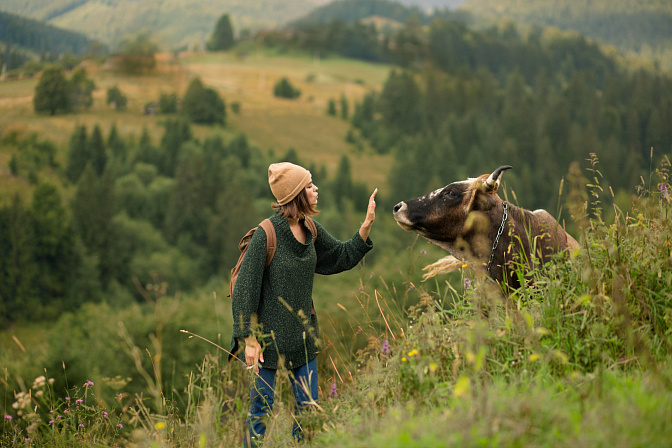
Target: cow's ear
491 184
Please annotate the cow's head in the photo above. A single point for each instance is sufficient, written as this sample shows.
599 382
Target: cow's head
446 215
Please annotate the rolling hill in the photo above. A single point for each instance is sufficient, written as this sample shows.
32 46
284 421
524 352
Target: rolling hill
640 27
175 23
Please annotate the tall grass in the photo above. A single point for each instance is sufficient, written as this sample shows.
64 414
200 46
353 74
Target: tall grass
578 356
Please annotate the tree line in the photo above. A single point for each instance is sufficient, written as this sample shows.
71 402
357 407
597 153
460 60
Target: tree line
40 37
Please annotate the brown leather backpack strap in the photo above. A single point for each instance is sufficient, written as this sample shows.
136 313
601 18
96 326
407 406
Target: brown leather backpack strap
311 226
271 240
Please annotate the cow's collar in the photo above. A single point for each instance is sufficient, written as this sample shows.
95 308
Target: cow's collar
499 233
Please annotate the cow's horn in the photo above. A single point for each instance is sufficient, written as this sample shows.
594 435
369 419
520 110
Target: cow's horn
492 182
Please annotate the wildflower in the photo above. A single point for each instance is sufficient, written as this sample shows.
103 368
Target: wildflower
51 421
120 425
403 359
67 398
88 383
411 287
663 190
386 347
413 352
160 425
81 425
79 400
105 414
332 392
423 252
8 417
467 284
39 382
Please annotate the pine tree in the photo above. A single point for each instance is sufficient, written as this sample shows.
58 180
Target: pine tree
222 37
98 151
55 246
79 154
345 112
117 145
177 132
18 271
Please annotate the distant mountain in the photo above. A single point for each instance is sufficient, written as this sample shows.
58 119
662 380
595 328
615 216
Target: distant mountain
643 27
40 38
173 23
352 10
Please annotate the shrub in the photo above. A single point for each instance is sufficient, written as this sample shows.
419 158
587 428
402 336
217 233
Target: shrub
203 105
168 103
284 89
116 98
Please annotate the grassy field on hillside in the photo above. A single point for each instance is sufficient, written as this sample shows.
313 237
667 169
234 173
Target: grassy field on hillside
317 137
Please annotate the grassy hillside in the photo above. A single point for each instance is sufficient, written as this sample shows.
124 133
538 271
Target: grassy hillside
173 22
306 127
640 27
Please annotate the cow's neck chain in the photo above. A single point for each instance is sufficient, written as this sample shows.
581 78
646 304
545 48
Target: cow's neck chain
499 233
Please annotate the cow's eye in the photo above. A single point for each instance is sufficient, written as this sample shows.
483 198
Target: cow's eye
452 193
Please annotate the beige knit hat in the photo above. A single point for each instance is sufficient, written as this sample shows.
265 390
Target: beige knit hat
287 180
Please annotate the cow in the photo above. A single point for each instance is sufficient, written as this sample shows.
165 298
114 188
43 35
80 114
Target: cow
470 221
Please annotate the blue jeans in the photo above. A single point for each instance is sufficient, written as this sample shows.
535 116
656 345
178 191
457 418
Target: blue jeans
304 382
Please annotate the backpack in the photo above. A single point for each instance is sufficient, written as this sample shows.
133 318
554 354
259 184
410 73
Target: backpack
271 244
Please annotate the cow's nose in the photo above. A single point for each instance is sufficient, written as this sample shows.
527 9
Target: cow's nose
398 207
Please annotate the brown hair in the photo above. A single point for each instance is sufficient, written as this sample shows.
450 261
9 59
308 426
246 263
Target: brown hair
297 207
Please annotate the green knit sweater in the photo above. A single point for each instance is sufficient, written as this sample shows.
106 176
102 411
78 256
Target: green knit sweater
281 295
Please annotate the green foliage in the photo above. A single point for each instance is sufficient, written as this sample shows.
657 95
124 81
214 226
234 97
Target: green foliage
284 89
222 36
168 103
648 23
51 92
331 107
54 93
203 105
41 38
80 90
137 54
78 154
116 98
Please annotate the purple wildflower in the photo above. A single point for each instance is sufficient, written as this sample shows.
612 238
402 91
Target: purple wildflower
81 425
88 383
333 392
386 347
67 398
663 190
79 400
104 414
120 425
8 417
51 421
467 284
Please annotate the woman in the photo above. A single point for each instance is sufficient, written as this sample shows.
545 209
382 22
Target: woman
273 311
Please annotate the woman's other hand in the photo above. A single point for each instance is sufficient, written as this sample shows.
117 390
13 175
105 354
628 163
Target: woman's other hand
253 353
